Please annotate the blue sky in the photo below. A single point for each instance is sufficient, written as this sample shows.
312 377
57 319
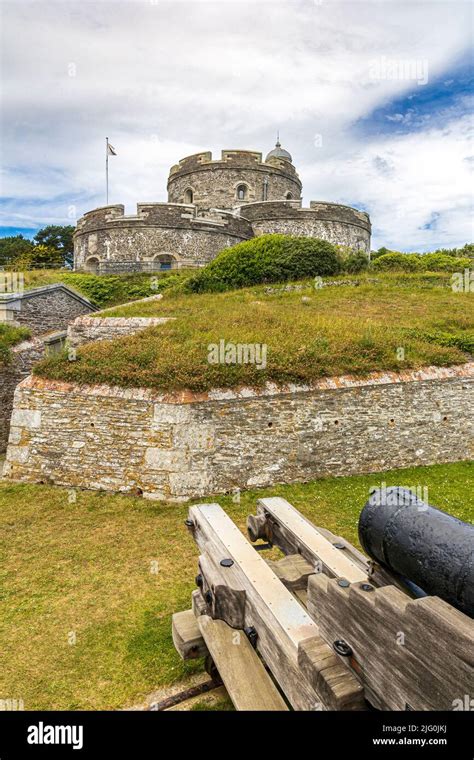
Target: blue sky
373 100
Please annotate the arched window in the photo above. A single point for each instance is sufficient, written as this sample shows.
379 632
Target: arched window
165 261
289 197
241 192
188 195
92 264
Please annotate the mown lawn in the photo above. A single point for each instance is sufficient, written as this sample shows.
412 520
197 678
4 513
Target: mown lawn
397 322
88 586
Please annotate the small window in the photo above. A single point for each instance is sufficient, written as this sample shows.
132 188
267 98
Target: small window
241 192
165 261
188 195
289 197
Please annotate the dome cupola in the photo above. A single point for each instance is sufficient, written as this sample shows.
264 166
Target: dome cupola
279 152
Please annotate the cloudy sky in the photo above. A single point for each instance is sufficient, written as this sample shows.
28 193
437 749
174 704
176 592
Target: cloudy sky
373 100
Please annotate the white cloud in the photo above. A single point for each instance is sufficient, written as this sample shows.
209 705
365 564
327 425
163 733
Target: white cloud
165 79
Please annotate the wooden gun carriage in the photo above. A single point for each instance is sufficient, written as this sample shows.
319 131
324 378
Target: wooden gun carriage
323 628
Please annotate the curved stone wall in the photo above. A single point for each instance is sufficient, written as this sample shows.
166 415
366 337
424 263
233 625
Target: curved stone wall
341 225
214 184
108 241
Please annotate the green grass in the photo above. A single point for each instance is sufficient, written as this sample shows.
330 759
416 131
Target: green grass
85 567
105 290
333 331
10 336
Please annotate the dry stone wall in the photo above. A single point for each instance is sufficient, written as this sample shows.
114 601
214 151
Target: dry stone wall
191 445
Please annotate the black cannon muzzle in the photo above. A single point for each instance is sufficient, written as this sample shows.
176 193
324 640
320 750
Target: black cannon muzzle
428 547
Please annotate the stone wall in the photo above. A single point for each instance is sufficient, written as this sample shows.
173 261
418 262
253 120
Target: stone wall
47 308
341 225
108 241
23 357
88 329
214 183
192 445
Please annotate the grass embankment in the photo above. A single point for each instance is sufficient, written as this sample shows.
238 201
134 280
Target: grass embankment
89 586
394 323
10 336
105 290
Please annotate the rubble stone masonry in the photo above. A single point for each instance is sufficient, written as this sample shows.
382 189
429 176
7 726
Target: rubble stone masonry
185 445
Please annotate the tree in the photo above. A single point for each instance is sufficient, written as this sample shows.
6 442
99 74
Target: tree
58 238
12 248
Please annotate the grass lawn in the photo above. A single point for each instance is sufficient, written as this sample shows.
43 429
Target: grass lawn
89 586
10 336
104 290
309 334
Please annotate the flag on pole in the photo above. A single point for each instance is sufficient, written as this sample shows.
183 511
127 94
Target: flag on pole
111 150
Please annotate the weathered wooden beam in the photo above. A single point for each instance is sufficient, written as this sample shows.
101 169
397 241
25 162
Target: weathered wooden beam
187 637
292 570
408 653
229 567
294 534
243 673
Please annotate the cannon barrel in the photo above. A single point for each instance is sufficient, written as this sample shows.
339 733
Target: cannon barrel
428 547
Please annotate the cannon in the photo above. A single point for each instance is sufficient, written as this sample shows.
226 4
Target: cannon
324 627
423 545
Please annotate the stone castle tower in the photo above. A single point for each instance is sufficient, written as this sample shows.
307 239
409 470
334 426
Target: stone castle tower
212 204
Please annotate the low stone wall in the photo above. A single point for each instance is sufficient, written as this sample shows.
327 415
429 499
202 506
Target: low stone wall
192 445
88 329
23 356
43 309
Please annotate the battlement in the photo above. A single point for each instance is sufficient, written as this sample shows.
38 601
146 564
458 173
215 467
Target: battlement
229 159
293 209
172 215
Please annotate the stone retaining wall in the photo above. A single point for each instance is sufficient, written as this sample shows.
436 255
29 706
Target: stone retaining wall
88 329
23 356
192 445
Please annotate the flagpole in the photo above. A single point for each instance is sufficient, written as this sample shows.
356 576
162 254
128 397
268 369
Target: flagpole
107 171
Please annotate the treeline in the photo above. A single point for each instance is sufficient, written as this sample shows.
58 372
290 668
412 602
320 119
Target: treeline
51 248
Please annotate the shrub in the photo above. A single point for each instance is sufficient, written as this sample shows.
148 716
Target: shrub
267 258
356 262
440 262
407 262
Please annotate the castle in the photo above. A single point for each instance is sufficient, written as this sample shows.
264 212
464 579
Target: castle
212 204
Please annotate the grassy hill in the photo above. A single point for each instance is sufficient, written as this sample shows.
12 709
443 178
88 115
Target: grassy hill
386 322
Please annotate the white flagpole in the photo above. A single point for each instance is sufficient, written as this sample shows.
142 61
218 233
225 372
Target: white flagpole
107 171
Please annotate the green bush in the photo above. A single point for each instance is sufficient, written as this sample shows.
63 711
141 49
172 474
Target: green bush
439 262
416 262
356 262
407 262
267 258
108 290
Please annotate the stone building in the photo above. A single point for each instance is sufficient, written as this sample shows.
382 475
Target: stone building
212 204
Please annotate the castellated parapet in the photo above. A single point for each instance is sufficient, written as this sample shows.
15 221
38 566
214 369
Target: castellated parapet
212 205
159 235
239 176
341 225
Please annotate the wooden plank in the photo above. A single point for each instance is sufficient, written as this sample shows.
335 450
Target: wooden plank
292 570
187 637
243 674
300 536
279 619
408 654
